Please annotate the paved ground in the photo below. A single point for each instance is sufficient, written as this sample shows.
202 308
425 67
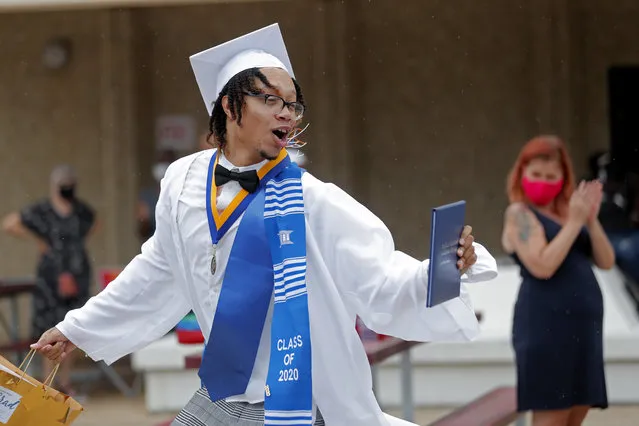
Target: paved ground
114 410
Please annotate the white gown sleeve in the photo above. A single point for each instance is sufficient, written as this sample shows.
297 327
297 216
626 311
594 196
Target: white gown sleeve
386 287
139 306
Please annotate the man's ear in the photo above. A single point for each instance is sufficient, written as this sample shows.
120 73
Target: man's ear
227 108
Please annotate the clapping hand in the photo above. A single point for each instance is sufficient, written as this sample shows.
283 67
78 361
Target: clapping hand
585 202
594 193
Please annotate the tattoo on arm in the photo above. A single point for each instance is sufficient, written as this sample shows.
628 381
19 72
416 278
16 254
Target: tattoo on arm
523 225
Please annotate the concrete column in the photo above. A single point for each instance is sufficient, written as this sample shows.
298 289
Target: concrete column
330 126
117 129
553 62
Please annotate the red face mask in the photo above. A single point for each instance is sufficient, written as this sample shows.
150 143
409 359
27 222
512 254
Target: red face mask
540 192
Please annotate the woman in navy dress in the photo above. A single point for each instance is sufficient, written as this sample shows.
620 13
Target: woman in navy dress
552 232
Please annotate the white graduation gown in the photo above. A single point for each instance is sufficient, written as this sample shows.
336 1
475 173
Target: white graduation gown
353 270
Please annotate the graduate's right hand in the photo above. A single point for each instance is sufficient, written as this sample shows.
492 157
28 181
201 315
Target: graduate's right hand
54 345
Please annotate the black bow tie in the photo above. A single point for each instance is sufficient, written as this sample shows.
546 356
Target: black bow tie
248 180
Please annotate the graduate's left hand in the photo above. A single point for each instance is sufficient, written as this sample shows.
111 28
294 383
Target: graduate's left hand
466 251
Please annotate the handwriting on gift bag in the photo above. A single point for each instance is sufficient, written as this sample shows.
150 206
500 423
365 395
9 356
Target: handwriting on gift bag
9 401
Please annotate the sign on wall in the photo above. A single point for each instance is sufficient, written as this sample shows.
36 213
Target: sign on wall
176 132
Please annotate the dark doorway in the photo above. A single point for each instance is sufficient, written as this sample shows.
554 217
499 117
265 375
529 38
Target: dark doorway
623 107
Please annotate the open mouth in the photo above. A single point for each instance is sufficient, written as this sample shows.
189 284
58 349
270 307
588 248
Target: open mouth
281 134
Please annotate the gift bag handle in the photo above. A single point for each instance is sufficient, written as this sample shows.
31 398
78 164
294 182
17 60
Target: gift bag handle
26 360
49 380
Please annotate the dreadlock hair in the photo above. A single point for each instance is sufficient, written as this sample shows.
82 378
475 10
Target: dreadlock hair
244 81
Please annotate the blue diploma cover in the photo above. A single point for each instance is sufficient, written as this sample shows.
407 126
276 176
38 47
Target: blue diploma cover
444 279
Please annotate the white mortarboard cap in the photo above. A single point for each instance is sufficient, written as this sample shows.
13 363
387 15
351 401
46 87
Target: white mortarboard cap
214 67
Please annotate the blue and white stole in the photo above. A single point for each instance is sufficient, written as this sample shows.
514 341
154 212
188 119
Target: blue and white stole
267 263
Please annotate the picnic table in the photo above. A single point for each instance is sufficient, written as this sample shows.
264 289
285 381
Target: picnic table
12 289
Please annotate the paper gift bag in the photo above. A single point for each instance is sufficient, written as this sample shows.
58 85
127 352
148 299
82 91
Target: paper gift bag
24 401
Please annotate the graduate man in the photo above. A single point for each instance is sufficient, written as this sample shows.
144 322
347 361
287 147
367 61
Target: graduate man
275 263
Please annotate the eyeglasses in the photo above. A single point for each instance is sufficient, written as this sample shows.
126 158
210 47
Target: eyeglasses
277 104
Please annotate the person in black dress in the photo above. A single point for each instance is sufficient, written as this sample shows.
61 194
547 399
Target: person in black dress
552 232
60 225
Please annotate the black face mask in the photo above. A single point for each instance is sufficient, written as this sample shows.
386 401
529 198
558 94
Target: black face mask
67 192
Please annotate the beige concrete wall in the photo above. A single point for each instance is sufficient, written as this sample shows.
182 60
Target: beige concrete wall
80 115
46 118
444 90
410 106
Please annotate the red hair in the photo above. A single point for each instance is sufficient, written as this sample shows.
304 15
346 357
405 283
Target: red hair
544 147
